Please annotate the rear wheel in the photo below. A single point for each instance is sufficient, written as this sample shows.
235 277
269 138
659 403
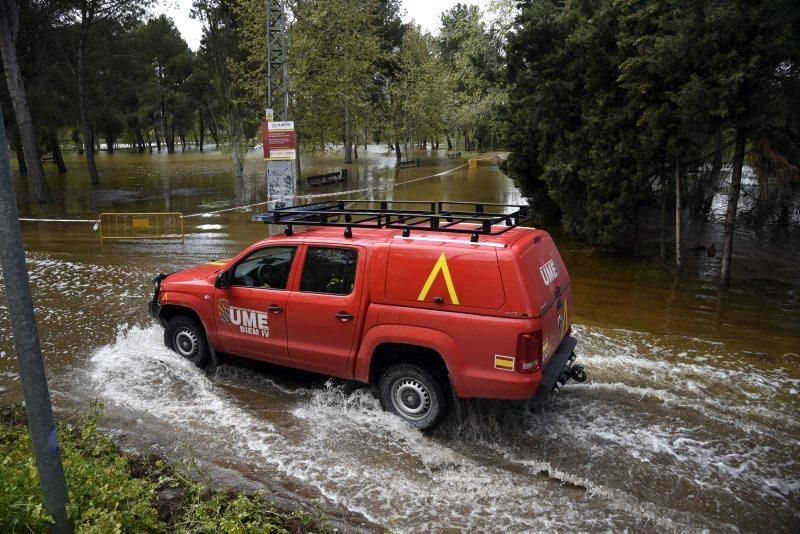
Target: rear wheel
187 338
414 394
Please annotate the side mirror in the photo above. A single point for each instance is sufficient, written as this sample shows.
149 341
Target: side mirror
223 280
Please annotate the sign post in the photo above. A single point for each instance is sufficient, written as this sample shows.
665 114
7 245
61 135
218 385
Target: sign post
29 351
280 149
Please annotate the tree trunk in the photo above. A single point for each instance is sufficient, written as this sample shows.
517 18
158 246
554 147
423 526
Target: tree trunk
83 105
214 135
436 147
158 139
662 238
169 136
237 140
55 148
733 203
202 131
397 150
110 143
348 136
355 150
181 136
139 139
9 26
238 164
17 147
716 169
678 240
449 143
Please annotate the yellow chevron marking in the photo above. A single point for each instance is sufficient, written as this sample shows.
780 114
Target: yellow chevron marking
441 266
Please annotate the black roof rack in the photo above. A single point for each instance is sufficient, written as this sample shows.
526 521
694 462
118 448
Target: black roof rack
474 218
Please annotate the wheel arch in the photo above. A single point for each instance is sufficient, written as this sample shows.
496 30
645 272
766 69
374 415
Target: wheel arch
389 353
168 311
385 345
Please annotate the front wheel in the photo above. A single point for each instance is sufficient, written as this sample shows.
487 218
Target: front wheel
414 394
187 338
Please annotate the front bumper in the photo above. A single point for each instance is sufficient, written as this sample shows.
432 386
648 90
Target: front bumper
154 307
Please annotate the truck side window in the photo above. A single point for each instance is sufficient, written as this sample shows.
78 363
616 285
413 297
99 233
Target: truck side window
329 270
266 268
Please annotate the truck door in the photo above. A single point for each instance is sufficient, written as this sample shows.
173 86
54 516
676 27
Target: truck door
250 315
322 314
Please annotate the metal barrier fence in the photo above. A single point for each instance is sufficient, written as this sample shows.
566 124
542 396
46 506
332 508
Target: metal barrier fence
166 225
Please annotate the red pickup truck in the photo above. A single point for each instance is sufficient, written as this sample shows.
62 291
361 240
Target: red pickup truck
429 305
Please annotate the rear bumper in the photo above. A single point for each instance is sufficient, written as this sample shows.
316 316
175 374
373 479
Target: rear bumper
559 362
504 385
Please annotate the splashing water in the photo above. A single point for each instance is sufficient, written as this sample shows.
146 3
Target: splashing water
633 448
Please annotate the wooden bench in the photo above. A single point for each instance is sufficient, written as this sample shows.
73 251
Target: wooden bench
409 163
327 178
454 155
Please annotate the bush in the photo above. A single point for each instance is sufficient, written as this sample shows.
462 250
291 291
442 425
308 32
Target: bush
103 496
111 492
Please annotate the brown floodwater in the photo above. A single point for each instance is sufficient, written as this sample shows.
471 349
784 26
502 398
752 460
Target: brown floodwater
689 420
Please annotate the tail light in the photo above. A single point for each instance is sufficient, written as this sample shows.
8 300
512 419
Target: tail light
529 352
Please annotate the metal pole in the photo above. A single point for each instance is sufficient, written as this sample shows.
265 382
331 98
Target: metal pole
267 24
29 353
285 68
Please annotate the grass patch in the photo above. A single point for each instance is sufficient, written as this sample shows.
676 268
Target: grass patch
114 492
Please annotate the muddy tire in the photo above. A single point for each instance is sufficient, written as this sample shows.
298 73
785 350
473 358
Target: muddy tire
184 336
414 394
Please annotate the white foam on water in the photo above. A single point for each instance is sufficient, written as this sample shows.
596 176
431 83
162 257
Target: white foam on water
731 388
209 227
340 443
337 440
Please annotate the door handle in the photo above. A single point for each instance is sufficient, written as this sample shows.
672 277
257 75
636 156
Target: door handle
275 309
343 316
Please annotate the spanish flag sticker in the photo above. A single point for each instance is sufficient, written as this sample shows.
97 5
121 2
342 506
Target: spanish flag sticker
504 363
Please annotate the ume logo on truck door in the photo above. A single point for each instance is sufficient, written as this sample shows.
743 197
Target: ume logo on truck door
549 272
249 321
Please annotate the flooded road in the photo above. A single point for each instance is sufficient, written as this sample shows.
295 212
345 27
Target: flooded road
689 419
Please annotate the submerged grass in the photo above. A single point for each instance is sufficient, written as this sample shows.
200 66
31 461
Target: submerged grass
114 492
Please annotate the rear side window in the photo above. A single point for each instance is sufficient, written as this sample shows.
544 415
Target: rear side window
329 270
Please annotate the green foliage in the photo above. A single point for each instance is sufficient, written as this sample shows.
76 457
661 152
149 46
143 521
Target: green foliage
418 89
166 65
334 48
473 56
105 496
218 512
607 97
